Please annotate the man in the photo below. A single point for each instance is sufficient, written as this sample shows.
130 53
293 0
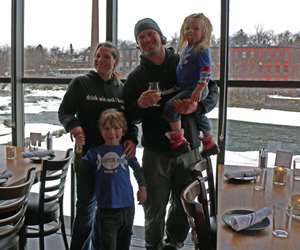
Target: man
166 172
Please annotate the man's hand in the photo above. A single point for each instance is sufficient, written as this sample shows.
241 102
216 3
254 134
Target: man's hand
197 92
148 98
142 195
185 106
129 148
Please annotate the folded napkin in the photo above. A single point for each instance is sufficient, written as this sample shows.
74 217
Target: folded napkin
4 175
242 173
38 153
243 221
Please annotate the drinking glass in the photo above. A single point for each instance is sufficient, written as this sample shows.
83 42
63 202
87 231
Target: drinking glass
295 202
35 140
154 86
282 218
11 152
280 175
260 181
296 169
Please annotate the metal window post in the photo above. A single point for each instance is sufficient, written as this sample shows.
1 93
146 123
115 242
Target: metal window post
223 79
112 21
17 59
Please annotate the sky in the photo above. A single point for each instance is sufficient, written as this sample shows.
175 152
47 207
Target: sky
61 22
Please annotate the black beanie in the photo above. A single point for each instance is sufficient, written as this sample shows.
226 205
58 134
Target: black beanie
146 23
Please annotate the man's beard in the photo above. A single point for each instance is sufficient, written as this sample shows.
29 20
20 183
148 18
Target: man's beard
151 53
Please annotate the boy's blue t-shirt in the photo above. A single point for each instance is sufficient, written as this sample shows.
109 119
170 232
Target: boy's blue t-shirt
112 178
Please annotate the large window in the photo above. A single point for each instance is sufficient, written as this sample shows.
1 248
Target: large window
41 106
5 88
258 118
5 113
169 15
5 31
58 37
264 45
264 41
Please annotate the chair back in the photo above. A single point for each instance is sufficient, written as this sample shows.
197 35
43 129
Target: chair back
52 181
284 158
13 203
191 197
44 215
203 170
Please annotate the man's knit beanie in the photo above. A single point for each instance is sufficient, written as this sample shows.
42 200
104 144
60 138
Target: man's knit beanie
146 23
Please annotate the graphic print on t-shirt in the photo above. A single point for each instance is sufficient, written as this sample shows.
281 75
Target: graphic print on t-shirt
110 161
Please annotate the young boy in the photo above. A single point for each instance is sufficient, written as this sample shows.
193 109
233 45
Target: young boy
114 193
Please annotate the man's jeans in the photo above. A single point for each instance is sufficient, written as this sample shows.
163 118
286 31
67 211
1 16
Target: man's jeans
165 178
85 208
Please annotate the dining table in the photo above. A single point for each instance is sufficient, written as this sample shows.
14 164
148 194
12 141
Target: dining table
241 195
20 165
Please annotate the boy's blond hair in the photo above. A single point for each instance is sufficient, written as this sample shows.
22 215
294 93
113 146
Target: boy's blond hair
113 118
206 32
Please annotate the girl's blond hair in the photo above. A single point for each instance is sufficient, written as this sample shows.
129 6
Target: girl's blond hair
206 32
113 118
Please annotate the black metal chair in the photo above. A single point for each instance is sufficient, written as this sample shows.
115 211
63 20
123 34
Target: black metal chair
204 170
44 215
13 204
199 202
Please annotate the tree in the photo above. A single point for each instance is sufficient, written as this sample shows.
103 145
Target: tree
262 38
214 41
285 38
35 58
239 39
296 39
4 60
174 41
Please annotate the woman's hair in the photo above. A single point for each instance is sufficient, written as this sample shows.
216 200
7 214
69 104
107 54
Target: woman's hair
206 32
114 51
113 118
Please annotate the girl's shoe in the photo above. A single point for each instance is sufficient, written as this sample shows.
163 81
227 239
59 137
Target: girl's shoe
209 146
178 143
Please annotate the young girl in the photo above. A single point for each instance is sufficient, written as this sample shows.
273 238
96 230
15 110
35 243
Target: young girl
114 194
193 74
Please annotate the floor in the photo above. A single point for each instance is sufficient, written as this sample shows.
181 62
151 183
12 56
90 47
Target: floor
137 242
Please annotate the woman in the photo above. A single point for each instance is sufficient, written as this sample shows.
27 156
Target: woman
86 98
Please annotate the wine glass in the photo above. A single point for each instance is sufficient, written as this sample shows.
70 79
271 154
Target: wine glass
154 86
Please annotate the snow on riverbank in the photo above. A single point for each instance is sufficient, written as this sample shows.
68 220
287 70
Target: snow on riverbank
266 116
